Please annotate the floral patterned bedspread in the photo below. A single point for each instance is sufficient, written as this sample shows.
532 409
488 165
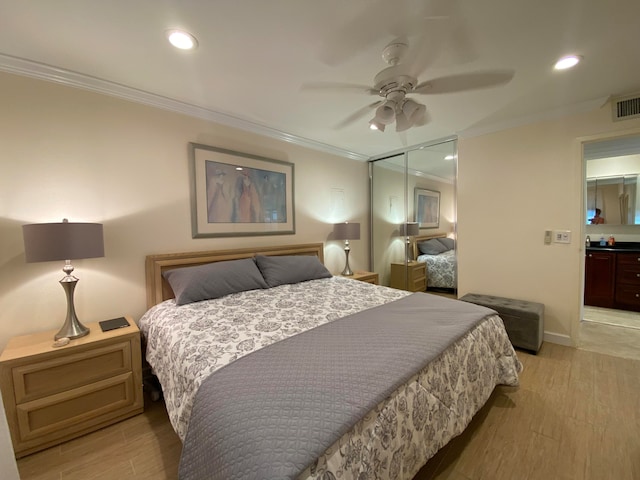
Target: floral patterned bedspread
187 343
441 269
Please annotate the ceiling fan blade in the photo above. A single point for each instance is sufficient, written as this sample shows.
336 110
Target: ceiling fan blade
379 20
423 52
357 115
356 34
464 82
444 37
333 87
457 40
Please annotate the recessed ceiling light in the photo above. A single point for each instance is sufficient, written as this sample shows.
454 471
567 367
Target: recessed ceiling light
567 62
450 157
182 40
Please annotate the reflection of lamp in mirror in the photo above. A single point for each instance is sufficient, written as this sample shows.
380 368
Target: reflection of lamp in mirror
45 242
408 230
346 231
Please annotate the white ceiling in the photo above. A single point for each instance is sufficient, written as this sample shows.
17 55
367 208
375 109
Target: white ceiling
255 56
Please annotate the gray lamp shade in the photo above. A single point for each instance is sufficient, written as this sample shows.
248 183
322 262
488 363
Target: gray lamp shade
409 229
45 242
346 231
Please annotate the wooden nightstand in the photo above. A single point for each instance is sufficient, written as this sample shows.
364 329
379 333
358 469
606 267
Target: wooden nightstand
368 277
52 395
411 276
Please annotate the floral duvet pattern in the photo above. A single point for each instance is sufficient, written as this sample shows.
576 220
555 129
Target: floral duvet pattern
185 344
441 269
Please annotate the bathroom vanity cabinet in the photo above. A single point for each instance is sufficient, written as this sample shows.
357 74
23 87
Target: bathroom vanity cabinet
612 277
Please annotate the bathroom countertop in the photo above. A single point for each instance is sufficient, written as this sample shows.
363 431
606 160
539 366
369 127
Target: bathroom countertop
633 247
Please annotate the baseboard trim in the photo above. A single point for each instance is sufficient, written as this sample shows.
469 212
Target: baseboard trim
558 338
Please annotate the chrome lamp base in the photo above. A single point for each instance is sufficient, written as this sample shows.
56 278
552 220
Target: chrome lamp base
72 328
409 251
347 269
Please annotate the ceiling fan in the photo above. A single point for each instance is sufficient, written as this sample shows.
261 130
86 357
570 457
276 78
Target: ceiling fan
396 82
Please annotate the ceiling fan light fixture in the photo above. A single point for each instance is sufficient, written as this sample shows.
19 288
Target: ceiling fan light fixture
374 124
567 61
402 122
386 113
181 39
409 108
420 116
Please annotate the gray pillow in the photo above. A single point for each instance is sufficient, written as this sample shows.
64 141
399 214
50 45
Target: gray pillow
214 280
279 270
431 247
450 243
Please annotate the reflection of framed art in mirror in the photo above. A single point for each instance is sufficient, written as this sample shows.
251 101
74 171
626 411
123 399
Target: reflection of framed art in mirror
427 208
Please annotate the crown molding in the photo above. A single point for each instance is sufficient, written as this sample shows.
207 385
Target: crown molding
553 114
41 71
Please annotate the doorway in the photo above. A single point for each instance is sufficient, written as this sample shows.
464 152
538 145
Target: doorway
611 172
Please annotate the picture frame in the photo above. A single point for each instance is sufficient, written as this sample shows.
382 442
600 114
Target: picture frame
427 208
238 194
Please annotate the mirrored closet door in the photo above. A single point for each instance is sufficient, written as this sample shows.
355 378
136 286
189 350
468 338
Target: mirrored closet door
413 210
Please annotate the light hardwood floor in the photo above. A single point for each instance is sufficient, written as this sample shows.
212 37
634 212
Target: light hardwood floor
142 447
576 415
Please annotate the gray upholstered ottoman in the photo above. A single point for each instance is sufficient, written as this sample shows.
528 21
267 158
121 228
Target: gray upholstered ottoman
523 320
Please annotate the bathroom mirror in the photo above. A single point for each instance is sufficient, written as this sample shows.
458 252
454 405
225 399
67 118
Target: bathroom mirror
612 169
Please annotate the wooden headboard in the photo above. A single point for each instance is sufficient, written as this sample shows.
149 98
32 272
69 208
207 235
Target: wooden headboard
422 238
158 289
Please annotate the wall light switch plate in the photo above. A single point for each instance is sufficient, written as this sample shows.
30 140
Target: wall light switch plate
547 237
561 236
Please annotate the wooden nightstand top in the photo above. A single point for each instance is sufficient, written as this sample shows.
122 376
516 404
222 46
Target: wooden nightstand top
364 276
42 342
412 263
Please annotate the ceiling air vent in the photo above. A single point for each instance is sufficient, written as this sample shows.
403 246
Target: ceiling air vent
626 107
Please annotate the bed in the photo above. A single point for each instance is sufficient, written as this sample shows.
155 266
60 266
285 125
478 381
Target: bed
388 435
439 253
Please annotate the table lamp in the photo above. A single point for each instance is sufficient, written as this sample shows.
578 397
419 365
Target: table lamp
346 231
408 230
46 242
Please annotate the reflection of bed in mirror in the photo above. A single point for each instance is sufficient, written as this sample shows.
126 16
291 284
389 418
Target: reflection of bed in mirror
336 334
439 253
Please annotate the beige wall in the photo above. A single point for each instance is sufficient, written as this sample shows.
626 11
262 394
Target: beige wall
71 153
512 186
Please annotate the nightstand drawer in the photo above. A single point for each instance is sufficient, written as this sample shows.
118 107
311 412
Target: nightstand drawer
52 395
411 276
367 277
58 415
36 380
419 285
418 272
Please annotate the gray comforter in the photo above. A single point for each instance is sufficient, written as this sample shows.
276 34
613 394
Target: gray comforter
271 413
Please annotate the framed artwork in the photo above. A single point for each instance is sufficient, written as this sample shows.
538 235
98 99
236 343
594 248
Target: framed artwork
235 194
427 208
